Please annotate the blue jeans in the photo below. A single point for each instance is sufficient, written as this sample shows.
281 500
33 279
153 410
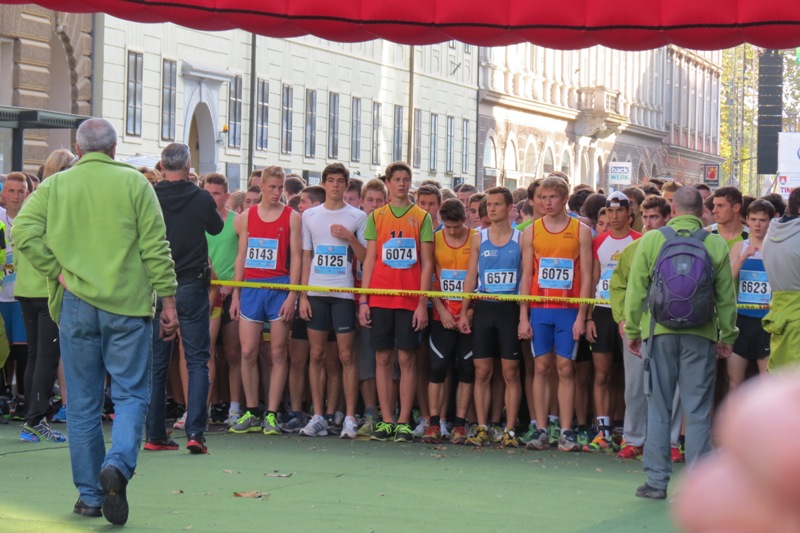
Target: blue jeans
191 301
95 342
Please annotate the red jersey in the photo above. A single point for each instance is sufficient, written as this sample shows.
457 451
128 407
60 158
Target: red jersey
267 245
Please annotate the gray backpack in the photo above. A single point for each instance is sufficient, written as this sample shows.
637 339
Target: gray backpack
681 293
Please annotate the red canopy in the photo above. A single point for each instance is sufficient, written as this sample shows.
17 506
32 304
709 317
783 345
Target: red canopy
622 24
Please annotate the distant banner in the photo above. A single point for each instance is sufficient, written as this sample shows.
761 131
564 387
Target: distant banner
787 182
711 175
619 174
788 153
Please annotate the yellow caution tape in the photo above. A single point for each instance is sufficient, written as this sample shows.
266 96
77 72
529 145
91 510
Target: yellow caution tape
430 294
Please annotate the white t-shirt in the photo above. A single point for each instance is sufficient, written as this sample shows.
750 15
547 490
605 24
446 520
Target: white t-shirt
9 276
331 257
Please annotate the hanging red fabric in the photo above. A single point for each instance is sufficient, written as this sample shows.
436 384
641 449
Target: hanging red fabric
571 24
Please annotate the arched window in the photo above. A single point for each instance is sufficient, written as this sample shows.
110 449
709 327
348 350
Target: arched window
566 163
489 154
549 164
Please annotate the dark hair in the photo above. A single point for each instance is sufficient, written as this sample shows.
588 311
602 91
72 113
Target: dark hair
519 194
582 186
334 168
294 202
533 186
649 189
708 203
746 201
354 185
657 202
509 199
397 166
634 193
793 209
255 188
215 178
761 206
577 198
702 187
467 187
429 190
292 184
671 186
476 197
483 209
592 205
315 193
433 183
452 211
732 194
777 202
658 182
527 208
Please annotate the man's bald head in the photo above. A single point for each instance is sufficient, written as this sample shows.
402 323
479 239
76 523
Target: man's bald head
688 201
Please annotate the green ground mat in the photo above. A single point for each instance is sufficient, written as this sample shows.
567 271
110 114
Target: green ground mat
336 485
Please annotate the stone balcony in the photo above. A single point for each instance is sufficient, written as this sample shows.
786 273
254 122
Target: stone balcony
599 112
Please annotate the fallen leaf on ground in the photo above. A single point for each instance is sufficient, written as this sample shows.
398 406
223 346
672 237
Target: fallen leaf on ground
227 471
177 492
440 448
279 475
252 494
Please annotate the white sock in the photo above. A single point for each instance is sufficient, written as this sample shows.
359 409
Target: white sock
235 408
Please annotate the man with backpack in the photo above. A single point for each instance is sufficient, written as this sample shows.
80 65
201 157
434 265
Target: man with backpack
682 275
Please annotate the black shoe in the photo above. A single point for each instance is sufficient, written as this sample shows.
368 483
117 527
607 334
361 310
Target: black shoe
646 491
115 505
85 510
196 444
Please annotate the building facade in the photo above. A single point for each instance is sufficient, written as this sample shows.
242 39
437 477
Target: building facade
243 102
45 64
577 111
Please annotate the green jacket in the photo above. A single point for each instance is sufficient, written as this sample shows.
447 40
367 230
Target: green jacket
783 322
619 282
29 283
99 224
640 276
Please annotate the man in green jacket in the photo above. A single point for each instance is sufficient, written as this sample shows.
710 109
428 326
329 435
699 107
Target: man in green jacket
686 356
97 234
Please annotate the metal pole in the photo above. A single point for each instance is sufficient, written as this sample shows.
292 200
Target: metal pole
411 74
251 141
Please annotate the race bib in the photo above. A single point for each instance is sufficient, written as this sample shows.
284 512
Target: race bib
603 292
498 280
753 287
556 273
262 253
452 281
330 260
399 253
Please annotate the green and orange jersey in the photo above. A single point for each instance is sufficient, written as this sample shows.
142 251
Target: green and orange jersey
452 264
556 263
398 233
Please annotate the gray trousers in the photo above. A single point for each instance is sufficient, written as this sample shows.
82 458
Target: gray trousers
635 429
688 362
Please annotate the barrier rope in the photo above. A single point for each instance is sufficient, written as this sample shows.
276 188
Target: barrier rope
429 294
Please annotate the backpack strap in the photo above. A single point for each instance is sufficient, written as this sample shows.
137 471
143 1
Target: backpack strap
700 234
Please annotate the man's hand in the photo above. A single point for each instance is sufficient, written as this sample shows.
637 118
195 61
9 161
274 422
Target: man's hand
464 325
579 327
288 308
235 310
524 331
62 281
364 315
169 319
591 331
622 328
305 308
724 351
447 319
340 232
420 320
635 346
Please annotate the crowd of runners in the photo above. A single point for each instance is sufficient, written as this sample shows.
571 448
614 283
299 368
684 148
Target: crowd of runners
553 372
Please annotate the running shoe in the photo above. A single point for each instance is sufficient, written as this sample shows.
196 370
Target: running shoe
509 439
271 426
677 454
630 452
367 428
39 432
496 432
472 430
61 415
443 429
316 427
403 433
432 435
349 428
540 441
181 422
600 443
530 434
296 422
383 432
584 437
553 432
568 442
338 419
157 445
233 418
422 425
481 437
247 423
458 435
196 444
